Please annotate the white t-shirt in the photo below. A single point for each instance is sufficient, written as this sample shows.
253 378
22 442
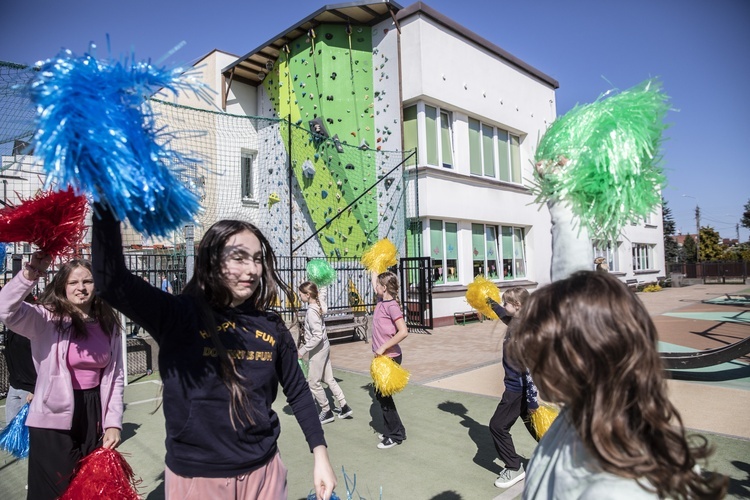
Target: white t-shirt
562 468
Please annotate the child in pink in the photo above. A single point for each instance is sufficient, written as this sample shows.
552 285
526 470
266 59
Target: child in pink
388 330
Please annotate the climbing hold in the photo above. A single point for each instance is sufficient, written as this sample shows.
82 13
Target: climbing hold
308 169
330 239
349 166
273 198
324 194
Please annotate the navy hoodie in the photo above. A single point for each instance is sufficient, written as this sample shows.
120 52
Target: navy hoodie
201 441
514 380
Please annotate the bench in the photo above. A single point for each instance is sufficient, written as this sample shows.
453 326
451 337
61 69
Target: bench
340 324
463 317
632 283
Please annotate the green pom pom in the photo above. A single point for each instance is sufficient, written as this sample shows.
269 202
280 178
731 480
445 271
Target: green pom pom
602 159
320 272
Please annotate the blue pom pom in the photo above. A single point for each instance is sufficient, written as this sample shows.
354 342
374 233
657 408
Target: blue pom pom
15 438
96 131
333 496
3 252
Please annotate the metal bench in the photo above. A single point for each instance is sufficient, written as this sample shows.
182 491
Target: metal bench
632 283
341 324
463 317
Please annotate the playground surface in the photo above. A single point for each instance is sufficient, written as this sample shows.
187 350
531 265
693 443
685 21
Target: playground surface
455 386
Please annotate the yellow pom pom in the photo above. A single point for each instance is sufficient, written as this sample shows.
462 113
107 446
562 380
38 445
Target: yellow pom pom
389 377
380 256
477 294
542 418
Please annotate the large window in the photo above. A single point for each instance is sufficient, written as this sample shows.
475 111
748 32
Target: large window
608 252
438 127
494 152
643 257
444 251
513 252
246 171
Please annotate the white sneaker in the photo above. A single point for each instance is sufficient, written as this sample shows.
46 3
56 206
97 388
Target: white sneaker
508 478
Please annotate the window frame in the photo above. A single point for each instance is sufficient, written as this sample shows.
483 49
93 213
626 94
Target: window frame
611 255
516 273
247 175
436 135
506 161
439 276
643 252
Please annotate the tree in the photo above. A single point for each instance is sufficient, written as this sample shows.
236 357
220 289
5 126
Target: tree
671 249
689 250
745 221
711 248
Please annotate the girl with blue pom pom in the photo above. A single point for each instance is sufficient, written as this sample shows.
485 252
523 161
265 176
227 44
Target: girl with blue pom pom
222 357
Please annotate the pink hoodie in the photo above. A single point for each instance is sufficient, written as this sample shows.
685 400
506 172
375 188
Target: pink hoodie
52 406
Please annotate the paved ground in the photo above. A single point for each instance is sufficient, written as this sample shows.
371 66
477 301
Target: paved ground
455 385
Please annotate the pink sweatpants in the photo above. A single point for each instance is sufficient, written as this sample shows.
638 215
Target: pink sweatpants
266 483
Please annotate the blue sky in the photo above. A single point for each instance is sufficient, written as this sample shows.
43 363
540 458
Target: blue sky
589 46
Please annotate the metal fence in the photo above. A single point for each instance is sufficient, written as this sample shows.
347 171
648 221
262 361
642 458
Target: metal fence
712 272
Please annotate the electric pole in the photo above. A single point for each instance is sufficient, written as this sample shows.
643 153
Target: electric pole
698 229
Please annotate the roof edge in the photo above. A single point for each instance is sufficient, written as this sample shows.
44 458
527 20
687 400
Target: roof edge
423 8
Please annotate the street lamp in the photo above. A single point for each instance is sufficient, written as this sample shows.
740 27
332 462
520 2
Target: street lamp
697 227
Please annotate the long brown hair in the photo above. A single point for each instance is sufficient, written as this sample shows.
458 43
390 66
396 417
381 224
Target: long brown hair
68 316
212 293
590 344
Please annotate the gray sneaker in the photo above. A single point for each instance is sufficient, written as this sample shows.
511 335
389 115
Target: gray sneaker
508 478
326 417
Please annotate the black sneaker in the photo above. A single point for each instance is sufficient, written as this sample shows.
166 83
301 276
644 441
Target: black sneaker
326 417
346 411
387 443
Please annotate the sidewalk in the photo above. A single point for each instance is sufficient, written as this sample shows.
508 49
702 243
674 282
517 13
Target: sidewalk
455 385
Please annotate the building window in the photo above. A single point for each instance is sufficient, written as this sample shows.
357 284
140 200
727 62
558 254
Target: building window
439 135
444 251
246 171
494 152
411 141
513 252
605 250
642 256
484 251
446 139
438 132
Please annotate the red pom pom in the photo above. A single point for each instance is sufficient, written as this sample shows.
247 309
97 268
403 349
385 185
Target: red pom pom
102 474
51 220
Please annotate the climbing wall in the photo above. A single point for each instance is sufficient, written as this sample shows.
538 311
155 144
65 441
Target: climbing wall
346 185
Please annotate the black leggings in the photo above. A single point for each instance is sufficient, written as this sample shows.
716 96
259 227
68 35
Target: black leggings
54 454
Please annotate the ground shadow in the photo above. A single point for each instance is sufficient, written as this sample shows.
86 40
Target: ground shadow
479 433
129 430
158 493
376 416
737 488
447 495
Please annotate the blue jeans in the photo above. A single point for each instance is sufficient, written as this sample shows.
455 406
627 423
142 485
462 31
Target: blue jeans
13 403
